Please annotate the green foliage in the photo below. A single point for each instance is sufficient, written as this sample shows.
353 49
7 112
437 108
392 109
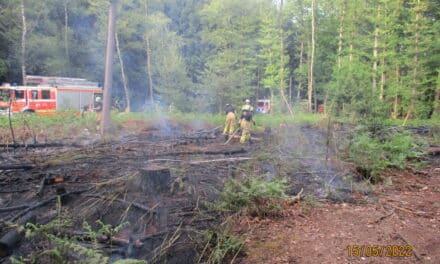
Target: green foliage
220 247
60 247
372 151
258 196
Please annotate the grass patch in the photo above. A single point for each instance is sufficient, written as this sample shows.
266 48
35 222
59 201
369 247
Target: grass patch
220 246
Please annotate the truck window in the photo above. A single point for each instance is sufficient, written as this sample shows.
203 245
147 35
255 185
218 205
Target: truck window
45 94
19 94
34 94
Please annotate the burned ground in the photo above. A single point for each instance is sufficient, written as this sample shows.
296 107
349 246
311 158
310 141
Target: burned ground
161 178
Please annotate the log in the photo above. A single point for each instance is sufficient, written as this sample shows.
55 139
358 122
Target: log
433 151
12 238
204 152
13 208
35 145
220 160
24 166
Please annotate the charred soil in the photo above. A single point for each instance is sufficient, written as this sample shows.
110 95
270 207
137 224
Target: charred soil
160 179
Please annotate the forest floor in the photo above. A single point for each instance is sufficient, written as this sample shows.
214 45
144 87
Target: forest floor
404 214
104 179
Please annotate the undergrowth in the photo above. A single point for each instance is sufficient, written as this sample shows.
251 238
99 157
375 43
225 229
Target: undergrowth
254 196
56 244
376 147
220 246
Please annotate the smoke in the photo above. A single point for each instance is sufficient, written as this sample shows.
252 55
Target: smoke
312 163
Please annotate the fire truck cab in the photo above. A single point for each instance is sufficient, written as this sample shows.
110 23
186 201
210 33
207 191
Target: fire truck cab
45 95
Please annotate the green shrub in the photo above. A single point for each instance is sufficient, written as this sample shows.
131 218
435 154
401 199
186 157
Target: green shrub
258 196
372 152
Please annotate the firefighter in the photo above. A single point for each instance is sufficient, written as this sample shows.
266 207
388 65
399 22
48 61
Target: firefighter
245 121
230 121
98 109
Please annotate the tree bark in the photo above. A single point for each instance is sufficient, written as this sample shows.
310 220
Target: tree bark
124 79
150 79
108 77
382 80
66 37
282 60
341 32
23 42
301 54
312 58
437 96
396 99
416 64
148 50
375 49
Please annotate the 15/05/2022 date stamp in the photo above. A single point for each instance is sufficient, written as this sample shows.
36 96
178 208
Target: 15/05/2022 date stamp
379 250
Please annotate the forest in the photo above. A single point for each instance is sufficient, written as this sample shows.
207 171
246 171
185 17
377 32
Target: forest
182 165
359 58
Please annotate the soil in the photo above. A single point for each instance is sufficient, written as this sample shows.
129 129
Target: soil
403 210
105 180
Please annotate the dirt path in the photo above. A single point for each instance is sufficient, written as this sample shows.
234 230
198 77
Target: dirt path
403 211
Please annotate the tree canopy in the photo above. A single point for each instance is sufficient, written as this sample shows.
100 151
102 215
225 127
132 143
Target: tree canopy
356 57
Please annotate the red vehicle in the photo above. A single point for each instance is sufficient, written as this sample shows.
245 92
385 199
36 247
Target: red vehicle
45 95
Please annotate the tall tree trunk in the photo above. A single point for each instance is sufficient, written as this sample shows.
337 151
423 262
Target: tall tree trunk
108 71
300 80
396 94
150 78
341 32
375 49
382 79
23 42
66 37
416 64
437 96
124 79
282 60
312 57
149 72
290 89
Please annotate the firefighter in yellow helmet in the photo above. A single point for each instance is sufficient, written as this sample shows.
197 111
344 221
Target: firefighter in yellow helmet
230 121
245 121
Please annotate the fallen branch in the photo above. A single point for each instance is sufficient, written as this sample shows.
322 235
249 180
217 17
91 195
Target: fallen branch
204 152
383 217
35 145
297 197
45 202
23 166
201 161
220 160
13 208
433 151
134 204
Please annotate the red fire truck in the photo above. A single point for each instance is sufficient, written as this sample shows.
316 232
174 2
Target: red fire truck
45 95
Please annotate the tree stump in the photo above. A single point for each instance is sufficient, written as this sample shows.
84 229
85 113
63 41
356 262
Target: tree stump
153 179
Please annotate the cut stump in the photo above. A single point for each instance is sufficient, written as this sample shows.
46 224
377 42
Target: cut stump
152 179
